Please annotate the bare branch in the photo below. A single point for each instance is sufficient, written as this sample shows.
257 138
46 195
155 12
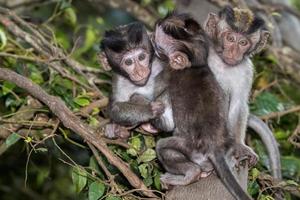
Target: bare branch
71 121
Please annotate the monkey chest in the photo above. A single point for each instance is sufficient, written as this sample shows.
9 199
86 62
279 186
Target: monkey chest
124 90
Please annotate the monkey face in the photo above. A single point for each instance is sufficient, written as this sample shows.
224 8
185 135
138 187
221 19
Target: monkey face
235 46
236 34
135 64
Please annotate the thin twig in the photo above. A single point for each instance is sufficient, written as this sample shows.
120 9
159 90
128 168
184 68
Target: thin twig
71 121
280 114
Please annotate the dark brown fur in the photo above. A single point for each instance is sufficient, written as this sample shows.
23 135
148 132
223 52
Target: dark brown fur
201 137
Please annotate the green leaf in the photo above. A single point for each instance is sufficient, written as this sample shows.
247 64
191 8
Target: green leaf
149 141
12 139
254 173
157 183
262 153
96 190
28 139
113 198
132 151
136 143
148 181
43 174
265 197
82 101
95 167
253 188
79 178
292 182
146 2
7 87
143 170
70 16
290 166
36 77
93 121
266 103
281 134
147 156
43 150
3 39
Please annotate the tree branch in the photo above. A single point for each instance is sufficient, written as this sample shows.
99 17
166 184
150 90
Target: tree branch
71 121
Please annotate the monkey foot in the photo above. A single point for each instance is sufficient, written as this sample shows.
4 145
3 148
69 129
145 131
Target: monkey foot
149 128
242 153
114 131
205 174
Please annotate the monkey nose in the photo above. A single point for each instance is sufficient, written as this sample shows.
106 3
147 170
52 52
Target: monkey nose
142 71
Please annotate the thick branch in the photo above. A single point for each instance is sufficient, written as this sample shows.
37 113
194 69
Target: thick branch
69 120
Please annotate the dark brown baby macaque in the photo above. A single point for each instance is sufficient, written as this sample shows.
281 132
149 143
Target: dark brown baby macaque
200 141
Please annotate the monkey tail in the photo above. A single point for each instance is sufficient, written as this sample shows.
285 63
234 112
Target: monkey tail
226 176
269 141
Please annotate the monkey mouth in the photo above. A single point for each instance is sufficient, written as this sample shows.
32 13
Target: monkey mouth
141 82
230 61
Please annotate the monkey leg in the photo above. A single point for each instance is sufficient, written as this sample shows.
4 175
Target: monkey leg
114 131
243 152
172 153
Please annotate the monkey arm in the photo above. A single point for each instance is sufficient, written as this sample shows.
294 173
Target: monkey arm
139 99
130 114
239 123
238 127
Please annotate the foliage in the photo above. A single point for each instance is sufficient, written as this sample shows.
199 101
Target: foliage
35 166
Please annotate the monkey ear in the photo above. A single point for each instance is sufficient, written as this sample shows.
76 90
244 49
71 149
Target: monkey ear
102 59
210 25
264 36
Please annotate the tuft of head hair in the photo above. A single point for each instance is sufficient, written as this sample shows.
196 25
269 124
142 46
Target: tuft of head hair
123 38
179 26
241 20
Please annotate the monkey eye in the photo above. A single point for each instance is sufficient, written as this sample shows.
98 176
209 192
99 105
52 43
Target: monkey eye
142 56
243 42
230 38
128 61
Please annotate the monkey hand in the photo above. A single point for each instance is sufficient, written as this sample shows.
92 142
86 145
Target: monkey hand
157 108
114 131
243 152
179 60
